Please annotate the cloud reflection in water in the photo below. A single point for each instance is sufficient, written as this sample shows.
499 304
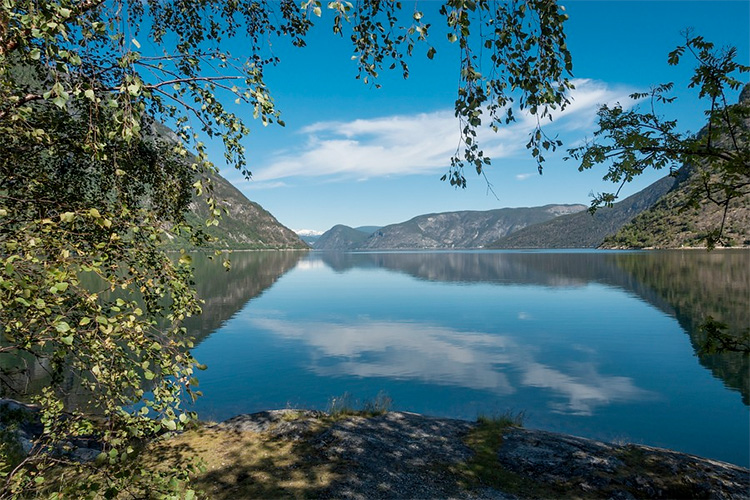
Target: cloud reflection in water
444 356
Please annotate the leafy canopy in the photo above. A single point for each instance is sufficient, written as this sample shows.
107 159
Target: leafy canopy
91 184
632 141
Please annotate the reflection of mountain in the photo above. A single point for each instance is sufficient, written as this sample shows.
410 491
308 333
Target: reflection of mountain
226 292
687 285
698 284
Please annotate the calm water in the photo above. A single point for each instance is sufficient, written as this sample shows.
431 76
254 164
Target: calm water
598 344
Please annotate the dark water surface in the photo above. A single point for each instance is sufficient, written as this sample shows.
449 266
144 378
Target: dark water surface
598 344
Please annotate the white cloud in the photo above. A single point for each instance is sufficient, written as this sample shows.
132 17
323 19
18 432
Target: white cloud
417 144
523 177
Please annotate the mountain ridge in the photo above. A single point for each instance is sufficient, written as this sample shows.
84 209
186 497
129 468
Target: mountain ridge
583 229
445 230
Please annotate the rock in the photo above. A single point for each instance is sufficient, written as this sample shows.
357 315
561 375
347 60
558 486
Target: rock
405 455
22 422
288 424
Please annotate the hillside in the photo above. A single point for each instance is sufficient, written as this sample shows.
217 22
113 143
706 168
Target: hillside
671 223
247 225
674 222
340 237
582 229
466 229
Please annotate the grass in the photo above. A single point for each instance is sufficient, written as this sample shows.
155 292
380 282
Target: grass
260 465
344 406
484 470
244 464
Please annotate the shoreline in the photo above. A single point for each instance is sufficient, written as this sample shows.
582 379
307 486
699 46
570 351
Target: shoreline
408 455
392 454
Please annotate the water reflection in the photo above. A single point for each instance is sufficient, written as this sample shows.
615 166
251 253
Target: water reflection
590 342
226 292
444 356
689 285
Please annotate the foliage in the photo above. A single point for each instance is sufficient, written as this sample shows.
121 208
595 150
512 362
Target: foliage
90 183
631 141
718 339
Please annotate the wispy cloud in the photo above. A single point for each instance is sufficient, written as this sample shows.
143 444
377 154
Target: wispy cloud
523 177
416 144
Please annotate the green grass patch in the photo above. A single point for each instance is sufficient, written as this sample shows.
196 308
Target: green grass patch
245 464
484 470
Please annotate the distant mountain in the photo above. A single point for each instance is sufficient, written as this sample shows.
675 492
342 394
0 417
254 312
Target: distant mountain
309 236
582 229
342 238
467 229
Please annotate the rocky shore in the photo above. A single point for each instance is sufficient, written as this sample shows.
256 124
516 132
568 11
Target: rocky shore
399 455
405 455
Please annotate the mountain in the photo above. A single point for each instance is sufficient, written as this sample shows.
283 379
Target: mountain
467 229
368 229
342 238
309 236
670 224
674 222
246 226
582 229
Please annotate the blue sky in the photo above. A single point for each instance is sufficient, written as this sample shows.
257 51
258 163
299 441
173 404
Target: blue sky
356 155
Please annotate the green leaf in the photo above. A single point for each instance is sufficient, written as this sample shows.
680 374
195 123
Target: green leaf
60 101
62 326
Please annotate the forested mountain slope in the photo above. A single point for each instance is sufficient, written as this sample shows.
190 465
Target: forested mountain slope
675 221
247 225
244 225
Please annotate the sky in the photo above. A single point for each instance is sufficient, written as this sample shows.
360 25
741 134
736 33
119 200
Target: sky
360 156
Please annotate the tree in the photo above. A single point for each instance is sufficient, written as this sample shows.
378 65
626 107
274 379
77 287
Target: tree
91 184
631 141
